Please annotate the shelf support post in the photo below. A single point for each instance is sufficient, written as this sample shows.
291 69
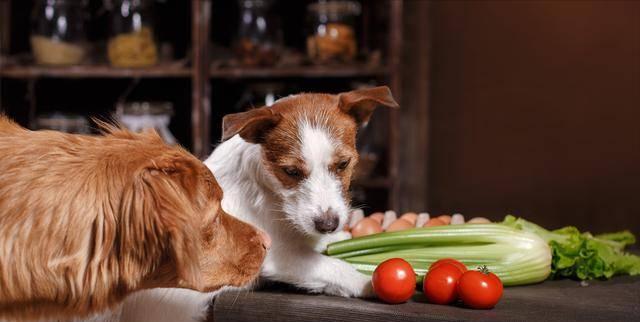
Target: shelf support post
395 82
201 92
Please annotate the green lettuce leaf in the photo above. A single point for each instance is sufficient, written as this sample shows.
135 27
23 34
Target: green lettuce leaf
582 255
623 237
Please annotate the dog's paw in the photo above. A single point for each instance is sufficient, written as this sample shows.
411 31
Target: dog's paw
340 236
337 290
323 242
367 291
365 288
361 287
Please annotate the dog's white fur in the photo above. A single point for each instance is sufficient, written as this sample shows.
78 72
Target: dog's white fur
252 194
320 192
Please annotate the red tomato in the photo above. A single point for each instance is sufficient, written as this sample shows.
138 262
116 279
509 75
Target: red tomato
440 284
480 289
450 261
394 281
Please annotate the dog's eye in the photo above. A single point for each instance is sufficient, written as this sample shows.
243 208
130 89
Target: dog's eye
342 165
292 172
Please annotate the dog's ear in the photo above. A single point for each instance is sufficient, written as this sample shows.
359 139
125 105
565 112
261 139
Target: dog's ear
252 125
160 217
360 103
168 180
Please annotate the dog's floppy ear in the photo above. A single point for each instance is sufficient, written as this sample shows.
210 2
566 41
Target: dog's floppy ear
166 180
160 218
360 103
252 125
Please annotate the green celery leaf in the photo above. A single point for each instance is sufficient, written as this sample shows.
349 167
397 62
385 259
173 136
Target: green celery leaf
623 237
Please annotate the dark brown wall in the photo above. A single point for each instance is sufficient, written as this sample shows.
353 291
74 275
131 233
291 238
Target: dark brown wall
535 110
414 112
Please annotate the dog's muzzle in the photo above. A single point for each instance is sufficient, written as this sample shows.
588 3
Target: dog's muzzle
327 222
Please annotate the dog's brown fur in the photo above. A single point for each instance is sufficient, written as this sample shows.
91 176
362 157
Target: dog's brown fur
85 221
276 128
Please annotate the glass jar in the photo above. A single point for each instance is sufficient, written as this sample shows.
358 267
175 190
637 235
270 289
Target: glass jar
138 116
332 36
260 94
58 32
259 42
131 41
64 122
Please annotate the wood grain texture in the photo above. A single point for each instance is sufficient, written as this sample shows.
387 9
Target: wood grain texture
394 59
551 301
95 71
351 70
200 93
535 111
413 126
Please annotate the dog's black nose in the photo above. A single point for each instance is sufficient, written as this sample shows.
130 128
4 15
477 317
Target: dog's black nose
327 223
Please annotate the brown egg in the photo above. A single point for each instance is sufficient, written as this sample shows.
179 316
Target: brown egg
377 216
434 222
410 217
366 226
479 220
446 219
399 224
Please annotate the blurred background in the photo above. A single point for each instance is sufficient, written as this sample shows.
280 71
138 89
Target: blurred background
522 107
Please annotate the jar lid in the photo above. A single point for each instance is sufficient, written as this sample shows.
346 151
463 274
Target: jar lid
79 3
145 108
336 7
254 3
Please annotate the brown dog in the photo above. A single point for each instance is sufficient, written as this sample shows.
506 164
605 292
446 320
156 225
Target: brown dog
85 221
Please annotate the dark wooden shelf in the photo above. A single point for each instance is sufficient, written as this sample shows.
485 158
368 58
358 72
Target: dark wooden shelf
299 72
94 71
201 67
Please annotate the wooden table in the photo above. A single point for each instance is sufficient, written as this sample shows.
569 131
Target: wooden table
563 300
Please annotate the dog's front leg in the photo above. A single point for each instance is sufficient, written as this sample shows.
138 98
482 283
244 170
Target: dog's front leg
347 281
319 274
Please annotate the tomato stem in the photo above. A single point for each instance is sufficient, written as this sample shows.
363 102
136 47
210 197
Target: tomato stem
483 269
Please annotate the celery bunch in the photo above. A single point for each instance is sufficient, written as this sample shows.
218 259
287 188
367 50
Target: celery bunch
518 251
517 257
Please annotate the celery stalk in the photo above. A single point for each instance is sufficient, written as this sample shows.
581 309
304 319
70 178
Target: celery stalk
517 257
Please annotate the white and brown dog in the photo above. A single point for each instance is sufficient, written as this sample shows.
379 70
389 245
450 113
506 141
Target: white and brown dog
287 169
